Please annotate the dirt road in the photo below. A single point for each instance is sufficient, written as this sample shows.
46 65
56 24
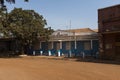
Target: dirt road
48 69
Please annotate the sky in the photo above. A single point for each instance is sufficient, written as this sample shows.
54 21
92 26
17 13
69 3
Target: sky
66 14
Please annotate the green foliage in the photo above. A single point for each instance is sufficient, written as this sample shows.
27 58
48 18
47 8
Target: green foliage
10 1
3 23
26 26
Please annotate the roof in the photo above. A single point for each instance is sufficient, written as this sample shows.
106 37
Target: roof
81 34
95 30
82 30
70 32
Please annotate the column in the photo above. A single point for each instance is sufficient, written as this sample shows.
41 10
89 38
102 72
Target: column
60 44
91 44
75 43
59 51
40 44
52 44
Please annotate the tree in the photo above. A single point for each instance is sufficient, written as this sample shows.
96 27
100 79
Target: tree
10 1
3 21
27 26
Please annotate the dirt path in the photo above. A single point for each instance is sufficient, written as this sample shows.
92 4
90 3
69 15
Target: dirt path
48 69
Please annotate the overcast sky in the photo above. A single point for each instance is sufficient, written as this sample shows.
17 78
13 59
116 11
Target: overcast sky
61 13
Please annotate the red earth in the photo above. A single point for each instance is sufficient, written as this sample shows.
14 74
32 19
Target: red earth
37 68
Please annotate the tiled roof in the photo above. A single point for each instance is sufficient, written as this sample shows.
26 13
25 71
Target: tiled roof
82 30
96 30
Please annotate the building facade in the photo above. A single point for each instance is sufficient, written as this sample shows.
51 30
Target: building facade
109 32
72 42
7 46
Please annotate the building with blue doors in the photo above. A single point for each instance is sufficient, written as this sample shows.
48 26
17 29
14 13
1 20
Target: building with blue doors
73 42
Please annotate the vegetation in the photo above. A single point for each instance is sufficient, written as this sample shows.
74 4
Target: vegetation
10 1
26 26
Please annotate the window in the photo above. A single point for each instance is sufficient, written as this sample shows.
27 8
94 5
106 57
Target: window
108 46
58 46
68 45
117 38
50 45
87 45
117 43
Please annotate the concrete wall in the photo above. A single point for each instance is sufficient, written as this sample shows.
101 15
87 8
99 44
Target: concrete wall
89 47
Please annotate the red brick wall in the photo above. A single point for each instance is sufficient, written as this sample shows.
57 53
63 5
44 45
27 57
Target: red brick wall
109 18
109 43
109 27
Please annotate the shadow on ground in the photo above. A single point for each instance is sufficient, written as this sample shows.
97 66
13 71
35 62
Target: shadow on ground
93 60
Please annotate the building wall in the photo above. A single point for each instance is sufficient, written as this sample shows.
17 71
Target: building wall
109 45
90 48
7 47
37 45
109 30
67 42
109 19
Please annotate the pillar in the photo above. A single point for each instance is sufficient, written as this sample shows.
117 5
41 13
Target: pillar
75 43
40 44
52 44
91 44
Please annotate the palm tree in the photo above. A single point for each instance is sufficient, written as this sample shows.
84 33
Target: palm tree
10 1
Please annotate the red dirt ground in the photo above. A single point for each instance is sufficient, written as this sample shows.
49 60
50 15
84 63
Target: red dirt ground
35 68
